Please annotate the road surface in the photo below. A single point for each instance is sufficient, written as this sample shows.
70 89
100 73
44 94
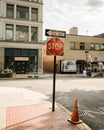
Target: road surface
89 91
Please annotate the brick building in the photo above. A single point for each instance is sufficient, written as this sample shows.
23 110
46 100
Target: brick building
87 51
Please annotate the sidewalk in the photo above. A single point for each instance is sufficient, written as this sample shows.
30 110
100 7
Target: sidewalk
23 109
48 75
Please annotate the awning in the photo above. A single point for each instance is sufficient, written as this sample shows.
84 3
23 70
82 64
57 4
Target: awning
81 62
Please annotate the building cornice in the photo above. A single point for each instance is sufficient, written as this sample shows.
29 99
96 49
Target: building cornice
26 45
73 35
31 2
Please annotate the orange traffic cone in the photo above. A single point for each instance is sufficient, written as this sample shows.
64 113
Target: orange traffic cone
75 115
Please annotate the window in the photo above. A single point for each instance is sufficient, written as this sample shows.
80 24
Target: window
9 62
34 34
22 33
9 32
102 46
97 46
22 12
72 45
10 11
34 14
34 0
92 46
82 46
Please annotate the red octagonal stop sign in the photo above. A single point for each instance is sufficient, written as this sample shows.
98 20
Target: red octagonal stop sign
55 46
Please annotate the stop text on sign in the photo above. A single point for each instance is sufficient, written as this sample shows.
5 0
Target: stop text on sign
55 46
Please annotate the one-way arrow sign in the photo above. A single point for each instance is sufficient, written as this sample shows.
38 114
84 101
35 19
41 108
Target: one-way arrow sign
55 33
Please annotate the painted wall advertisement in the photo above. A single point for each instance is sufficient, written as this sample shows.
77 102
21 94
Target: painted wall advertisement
68 66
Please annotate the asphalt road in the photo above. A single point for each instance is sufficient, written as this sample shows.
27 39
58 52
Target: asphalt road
89 91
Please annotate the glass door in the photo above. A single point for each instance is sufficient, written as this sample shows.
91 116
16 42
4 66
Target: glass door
20 67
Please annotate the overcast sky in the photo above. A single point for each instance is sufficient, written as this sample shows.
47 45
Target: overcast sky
87 15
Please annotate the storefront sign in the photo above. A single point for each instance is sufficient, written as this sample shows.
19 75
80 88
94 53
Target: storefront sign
21 58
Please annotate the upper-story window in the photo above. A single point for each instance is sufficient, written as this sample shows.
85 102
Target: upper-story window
102 46
34 34
22 12
97 46
34 14
22 33
92 46
10 11
82 45
34 0
9 32
72 45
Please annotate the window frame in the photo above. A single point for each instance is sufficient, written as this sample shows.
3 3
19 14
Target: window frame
93 46
72 45
97 45
35 35
22 30
34 14
102 46
22 12
82 46
12 32
9 9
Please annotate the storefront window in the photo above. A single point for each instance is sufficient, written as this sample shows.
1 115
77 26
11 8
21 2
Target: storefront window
22 33
21 60
9 32
33 64
9 63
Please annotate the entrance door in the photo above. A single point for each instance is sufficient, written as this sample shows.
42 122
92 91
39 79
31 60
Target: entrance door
80 68
20 67
81 65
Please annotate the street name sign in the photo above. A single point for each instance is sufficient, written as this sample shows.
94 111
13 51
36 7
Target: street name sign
55 33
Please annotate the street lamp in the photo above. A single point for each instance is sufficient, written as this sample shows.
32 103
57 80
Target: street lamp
86 52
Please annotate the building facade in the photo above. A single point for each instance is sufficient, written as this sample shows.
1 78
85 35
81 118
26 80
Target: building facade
21 27
87 51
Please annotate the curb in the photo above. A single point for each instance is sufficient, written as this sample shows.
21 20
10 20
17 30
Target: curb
67 111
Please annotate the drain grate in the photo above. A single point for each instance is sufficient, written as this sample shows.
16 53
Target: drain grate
81 112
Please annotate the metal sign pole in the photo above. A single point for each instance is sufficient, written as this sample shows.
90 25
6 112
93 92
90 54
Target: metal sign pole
54 79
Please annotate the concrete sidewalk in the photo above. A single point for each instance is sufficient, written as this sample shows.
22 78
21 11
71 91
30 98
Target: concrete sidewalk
23 109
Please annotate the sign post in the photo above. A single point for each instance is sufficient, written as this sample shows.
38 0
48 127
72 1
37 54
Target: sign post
54 81
55 47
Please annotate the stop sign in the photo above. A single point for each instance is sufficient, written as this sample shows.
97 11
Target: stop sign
55 46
